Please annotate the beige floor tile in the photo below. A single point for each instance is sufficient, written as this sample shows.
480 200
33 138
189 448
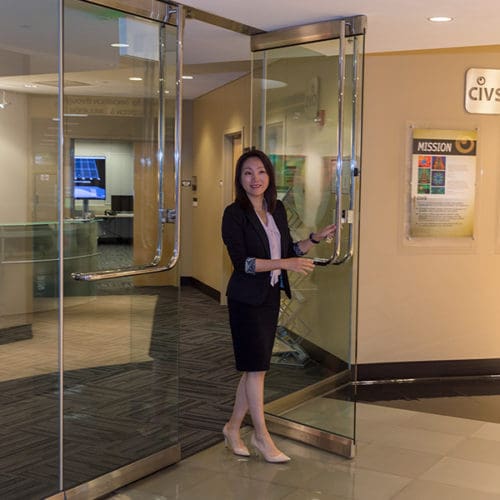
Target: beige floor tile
413 439
442 423
466 474
302 494
218 459
429 490
372 433
295 473
232 487
478 450
402 462
489 431
371 413
357 484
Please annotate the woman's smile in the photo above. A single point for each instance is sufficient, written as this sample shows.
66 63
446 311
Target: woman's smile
254 177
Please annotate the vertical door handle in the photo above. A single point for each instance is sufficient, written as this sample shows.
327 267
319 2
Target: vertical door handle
336 258
164 215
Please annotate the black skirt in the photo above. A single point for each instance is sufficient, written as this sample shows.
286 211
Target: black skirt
253 329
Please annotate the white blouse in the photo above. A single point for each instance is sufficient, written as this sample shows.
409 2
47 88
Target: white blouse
274 237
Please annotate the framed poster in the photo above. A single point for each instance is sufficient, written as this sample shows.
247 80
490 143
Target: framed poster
443 183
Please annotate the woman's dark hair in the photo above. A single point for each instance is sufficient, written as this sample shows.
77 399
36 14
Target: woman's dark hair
270 194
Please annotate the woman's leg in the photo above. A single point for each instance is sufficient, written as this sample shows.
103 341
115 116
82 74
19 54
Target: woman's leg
240 407
231 430
255 398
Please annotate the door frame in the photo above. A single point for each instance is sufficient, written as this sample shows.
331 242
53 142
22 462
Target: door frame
227 195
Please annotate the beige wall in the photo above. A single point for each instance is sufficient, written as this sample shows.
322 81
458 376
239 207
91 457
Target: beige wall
15 160
224 111
186 248
418 301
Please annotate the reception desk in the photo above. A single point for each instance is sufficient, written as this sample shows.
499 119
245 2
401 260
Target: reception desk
118 228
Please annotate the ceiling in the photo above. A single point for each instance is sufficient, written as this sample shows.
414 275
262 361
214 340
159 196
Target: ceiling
214 55
393 25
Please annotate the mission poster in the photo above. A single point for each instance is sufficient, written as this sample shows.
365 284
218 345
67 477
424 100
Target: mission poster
443 179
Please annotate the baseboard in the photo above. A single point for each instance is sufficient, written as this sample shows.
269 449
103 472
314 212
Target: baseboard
324 358
428 369
15 333
207 290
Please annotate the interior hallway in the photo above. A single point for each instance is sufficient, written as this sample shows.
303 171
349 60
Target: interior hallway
401 455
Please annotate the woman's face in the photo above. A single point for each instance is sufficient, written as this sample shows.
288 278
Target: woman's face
254 177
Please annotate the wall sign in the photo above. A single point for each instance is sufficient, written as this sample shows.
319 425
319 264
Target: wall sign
482 91
443 178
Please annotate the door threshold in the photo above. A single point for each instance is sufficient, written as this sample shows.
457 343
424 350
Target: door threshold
118 478
313 436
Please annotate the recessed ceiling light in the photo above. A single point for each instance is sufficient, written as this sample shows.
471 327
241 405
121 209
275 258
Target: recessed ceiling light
135 79
440 19
187 77
120 45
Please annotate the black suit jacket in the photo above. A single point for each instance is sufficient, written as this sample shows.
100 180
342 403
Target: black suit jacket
245 237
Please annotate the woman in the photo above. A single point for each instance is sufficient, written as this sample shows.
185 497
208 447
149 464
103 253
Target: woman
256 233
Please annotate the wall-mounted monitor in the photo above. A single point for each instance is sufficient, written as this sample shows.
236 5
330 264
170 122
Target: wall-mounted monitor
90 178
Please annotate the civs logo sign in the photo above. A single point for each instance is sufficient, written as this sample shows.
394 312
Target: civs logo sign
482 91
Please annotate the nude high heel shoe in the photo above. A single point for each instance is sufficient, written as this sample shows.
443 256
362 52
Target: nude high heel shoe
240 450
274 459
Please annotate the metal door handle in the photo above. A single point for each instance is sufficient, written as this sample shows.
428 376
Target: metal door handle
337 239
344 216
354 169
164 215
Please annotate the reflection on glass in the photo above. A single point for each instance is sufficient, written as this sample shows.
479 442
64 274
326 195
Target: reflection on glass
120 336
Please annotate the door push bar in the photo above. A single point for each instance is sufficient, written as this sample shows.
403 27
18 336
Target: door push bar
164 215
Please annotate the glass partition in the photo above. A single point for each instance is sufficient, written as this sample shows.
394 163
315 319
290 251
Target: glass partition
307 98
112 345
29 382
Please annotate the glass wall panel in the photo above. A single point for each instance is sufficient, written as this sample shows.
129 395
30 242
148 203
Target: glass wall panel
29 382
120 336
296 96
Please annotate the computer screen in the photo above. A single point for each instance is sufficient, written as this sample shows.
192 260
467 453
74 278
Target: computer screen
89 178
122 203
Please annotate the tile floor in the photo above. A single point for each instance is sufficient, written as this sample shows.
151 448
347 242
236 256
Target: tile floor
401 455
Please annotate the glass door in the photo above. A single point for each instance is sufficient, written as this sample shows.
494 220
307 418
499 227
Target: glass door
88 328
307 117
120 342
